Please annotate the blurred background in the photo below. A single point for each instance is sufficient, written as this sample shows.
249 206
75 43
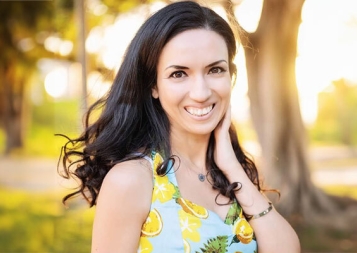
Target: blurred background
57 57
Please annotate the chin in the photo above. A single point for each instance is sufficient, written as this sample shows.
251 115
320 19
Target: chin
203 130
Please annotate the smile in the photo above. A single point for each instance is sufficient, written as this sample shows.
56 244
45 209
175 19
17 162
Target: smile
199 111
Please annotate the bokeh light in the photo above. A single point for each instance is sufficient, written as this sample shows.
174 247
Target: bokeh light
56 82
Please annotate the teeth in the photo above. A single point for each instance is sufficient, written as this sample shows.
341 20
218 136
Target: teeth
199 112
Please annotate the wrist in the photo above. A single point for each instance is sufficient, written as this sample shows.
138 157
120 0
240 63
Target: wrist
234 172
250 217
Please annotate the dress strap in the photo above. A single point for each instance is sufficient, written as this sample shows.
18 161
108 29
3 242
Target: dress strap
146 157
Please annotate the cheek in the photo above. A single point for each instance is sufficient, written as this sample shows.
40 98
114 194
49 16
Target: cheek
171 93
169 98
225 91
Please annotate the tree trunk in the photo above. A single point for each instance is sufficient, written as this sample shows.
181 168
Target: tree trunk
270 54
11 95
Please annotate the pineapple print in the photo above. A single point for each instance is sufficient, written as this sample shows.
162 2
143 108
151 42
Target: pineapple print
215 245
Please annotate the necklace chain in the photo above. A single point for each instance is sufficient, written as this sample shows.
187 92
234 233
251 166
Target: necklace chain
200 176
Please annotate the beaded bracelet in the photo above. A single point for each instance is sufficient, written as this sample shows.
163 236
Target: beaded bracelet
256 216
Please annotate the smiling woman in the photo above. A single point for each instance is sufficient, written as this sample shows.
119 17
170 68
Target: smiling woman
162 163
194 82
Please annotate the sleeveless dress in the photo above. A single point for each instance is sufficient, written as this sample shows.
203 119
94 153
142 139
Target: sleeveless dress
177 225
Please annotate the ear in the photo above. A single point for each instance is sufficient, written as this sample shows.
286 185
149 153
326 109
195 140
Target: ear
154 92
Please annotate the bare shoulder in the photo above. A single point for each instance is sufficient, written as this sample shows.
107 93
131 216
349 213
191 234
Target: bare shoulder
130 172
122 207
130 178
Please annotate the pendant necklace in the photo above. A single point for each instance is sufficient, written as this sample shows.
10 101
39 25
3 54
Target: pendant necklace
201 177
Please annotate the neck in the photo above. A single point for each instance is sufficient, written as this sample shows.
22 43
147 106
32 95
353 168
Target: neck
191 150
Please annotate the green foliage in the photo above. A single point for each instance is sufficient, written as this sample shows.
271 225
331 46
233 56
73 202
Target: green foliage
33 222
20 23
48 119
59 115
337 118
123 5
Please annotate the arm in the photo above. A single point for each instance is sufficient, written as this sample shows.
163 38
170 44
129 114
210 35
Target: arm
122 207
273 232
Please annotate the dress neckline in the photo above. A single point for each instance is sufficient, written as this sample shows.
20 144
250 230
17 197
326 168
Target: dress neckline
172 178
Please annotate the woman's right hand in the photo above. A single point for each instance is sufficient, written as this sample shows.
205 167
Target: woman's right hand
224 155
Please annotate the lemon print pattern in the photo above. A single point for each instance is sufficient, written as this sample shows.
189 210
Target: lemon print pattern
191 208
163 188
186 246
243 231
157 161
145 245
153 224
189 226
177 225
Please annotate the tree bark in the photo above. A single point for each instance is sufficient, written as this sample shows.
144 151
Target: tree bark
12 98
270 54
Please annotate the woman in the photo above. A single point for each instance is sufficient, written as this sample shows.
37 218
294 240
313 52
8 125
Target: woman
162 163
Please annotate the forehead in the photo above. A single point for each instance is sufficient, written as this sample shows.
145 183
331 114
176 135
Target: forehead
195 45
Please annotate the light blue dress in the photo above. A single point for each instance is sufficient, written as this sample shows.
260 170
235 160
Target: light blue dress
178 225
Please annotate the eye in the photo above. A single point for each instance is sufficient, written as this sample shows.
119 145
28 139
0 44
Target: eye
216 70
178 74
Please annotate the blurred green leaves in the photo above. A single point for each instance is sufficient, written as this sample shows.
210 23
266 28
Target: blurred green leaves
336 122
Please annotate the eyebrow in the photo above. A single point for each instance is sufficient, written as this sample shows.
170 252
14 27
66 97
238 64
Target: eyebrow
183 67
215 63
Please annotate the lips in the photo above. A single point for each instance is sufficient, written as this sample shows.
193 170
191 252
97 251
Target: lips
199 112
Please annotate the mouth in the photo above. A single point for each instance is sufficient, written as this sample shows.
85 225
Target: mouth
199 112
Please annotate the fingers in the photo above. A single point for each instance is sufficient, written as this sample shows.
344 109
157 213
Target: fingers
227 118
224 153
222 131
225 122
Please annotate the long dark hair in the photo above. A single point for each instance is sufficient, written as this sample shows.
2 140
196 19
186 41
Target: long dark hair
132 120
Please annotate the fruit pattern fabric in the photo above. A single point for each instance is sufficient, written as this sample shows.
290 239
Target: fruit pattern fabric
175 224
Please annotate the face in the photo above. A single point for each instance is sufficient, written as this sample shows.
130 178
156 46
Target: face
193 81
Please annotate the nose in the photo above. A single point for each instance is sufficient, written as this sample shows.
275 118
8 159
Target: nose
200 90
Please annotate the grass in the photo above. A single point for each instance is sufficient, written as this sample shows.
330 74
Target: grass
38 222
316 239
321 240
